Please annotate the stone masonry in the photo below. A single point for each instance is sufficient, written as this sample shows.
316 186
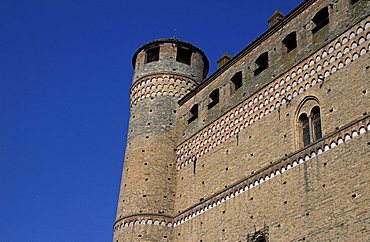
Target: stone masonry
273 146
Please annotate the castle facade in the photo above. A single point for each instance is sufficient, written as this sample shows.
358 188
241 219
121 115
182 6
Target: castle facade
273 146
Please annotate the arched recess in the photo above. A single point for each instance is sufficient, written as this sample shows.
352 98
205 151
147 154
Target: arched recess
308 122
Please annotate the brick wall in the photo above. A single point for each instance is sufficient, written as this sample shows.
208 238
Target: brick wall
240 168
147 191
343 96
323 199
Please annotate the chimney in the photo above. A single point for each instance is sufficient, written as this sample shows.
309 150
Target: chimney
276 18
223 60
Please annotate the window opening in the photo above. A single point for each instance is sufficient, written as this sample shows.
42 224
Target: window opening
215 98
194 166
152 55
193 113
183 55
237 80
290 41
305 125
310 126
320 19
316 123
262 63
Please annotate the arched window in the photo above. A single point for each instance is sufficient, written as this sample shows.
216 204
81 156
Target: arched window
316 123
310 125
305 129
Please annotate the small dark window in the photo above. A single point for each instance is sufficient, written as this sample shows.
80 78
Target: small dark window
183 55
305 129
237 81
290 41
262 63
215 98
316 123
152 55
320 19
193 113
354 1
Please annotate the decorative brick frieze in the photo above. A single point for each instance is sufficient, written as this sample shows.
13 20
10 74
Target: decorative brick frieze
346 48
162 84
143 219
339 137
275 168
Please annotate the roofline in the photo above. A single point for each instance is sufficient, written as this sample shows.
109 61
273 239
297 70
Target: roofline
292 14
172 40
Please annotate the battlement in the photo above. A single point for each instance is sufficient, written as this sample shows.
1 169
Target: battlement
172 56
279 49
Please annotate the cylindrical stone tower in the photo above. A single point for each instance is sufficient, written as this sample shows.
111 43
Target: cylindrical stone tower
165 70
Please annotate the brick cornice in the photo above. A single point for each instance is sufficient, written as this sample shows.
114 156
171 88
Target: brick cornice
143 219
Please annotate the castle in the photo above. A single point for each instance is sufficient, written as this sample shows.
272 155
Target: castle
273 146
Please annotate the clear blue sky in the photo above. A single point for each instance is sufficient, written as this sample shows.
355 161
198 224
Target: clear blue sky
65 74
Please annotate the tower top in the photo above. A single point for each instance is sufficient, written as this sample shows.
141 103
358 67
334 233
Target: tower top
158 42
